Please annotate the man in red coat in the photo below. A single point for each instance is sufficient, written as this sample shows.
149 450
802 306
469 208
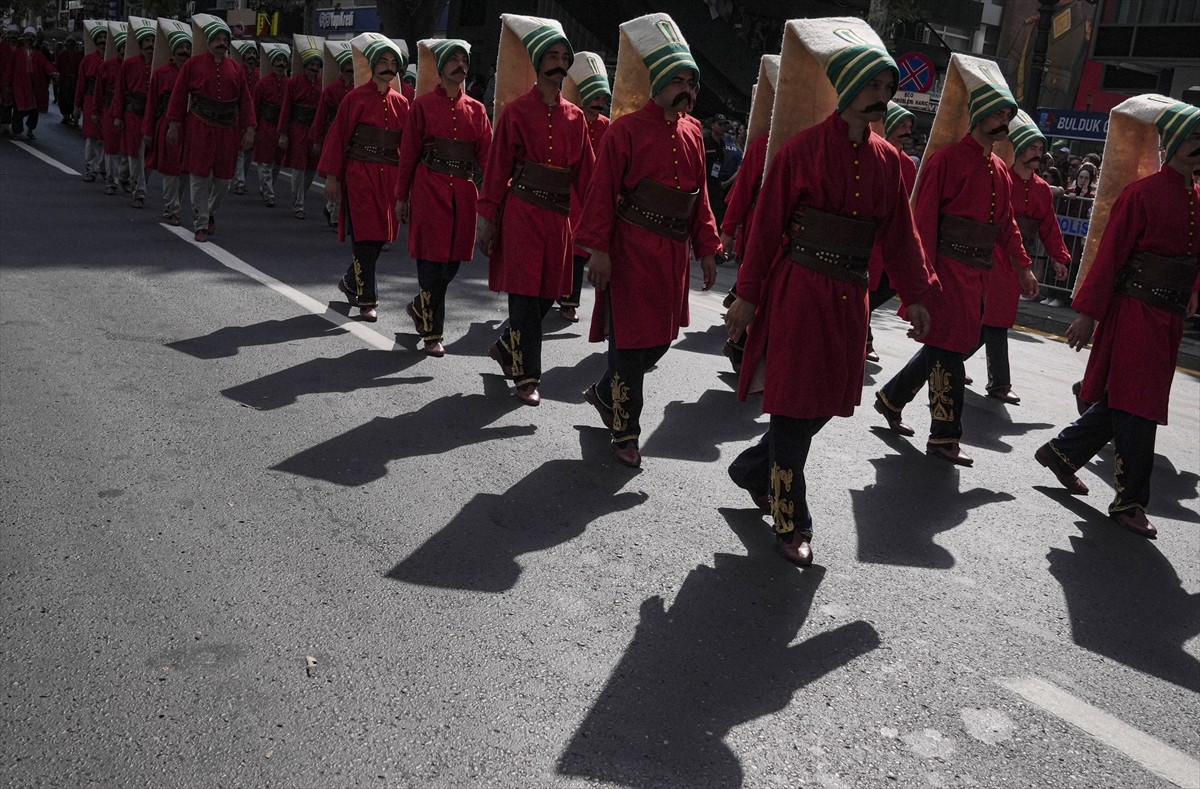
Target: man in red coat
9 44
87 99
1141 285
246 53
647 211
300 98
339 80
31 75
361 164
67 62
802 288
963 211
209 107
540 153
1033 207
173 47
586 86
447 134
129 100
116 164
268 104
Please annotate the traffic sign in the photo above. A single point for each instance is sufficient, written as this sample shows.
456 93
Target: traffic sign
917 72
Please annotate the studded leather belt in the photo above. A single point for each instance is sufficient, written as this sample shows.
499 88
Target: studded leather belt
831 244
1162 281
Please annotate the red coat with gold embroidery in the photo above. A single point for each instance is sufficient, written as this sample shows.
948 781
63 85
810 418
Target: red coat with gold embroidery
806 346
532 253
1135 348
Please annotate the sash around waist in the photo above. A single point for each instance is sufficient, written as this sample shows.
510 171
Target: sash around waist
269 112
832 244
89 86
1162 281
214 112
164 100
375 144
451 157
304 114
544 186
967 241
135 103
658 208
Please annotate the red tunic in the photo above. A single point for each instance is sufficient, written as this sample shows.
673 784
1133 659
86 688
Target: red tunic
596 131
368 188
31 80
810 330
106 89
134 77
532 254
87 100
207 148
739 203
268 90
1033 199
1135 348
167 159
442 207
331 98
408 91
649 286
908 176
6 56
302 91
961 180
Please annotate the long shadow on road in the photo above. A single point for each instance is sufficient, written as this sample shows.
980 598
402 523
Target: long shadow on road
1125 599
228 340
693 430
720 655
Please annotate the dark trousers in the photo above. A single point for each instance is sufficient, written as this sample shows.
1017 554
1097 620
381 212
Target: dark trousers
576 294
877 298
28 118
775 465
430 304
360 276
942 372
6 113
521 340
1133 441
995 340
66 96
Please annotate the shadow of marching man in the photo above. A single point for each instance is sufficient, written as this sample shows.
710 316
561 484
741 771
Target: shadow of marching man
719 656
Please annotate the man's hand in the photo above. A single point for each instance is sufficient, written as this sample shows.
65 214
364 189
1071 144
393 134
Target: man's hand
402 211
485 237
1029 283
1060 270
708 264
117 123
333 190
600 269
739 316
1079 333
248 139
172 132
283 142
726 241
918 316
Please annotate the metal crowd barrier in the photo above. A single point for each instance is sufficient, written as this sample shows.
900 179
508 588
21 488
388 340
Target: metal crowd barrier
1073 214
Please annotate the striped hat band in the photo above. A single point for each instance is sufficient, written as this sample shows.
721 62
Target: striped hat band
541 38
177 38
988 98
1023 135
666 62
343 57
896 115
592 87
378 48
309 55
854 67
443 50
216 27
144 32
1176 124
119 38
97 31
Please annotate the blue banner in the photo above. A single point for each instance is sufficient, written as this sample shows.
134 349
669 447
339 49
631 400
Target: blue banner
329 21
1073 124
1073 225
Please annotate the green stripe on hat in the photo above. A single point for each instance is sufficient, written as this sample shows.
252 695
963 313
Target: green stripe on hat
376 49
1176 124
666 62
1024 134
541 38
119 38
989 98
213 28
343 57
97 31
309 55
143 32
896 115
443 50
177 38
854 67
593 86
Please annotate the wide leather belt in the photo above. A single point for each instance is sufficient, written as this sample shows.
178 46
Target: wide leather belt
89 86
374 144
1029 231
269 112
831 244
967 241
1162 281
164 100
135 103
450 157
304 114
544 186
215 112
660 209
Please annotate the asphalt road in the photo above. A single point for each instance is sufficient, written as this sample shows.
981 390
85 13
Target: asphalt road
246 544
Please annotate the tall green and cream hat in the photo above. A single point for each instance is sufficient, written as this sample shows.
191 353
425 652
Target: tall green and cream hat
1137 129
523 41
306 49
650 53
367 48
762 99
410 74
170 33
94 29
586 79
205 28
823 65
140 29
269 51
1023 132
338 55
118 32
432 56
243 47
896 115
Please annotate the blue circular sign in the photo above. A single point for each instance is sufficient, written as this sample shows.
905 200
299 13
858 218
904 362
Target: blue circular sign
917 72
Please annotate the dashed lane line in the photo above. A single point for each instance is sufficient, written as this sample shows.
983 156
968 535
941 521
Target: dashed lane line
1155 755
29 149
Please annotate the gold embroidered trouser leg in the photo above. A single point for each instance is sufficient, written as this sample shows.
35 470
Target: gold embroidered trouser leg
1133 440
789 441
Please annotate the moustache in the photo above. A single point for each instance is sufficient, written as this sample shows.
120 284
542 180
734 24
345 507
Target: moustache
387 73
221 47
458 71
876 107
556 72
1195 152
681 98
904 136
1033 161
1001 129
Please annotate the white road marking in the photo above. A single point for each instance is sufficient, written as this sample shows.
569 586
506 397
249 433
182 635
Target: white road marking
47 159
231 261
1156 756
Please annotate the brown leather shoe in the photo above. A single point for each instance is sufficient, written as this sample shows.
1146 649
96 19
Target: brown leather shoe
494 352
351 296
529 395
895 423
212 225
201 236
1136 521
968 380
368 314
569 314
418 324
434 349
1066 477
798 551
949 452
871 355
626 453
1006 396
606 415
